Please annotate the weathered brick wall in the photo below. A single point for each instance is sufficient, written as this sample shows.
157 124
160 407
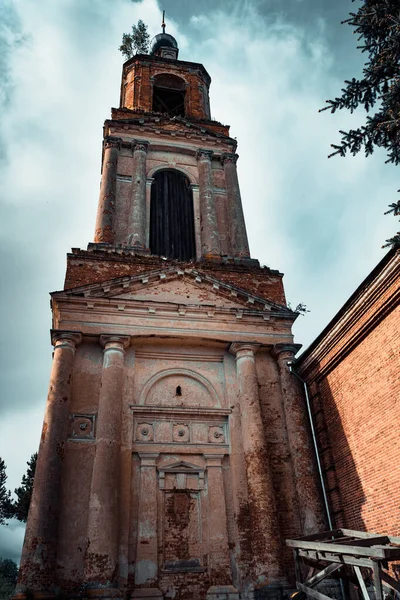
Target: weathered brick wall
85 267
361 404
137 83
353 372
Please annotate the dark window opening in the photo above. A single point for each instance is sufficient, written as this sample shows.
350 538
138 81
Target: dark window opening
171 216
170 102
169 95
178 391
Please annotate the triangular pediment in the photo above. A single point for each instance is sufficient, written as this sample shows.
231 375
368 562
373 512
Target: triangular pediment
180 290
181 467
173 286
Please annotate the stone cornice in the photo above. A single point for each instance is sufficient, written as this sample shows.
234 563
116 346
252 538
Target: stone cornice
179 411
159 127
121 285
378 294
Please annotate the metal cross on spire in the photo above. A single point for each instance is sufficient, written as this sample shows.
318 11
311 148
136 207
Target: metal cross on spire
163 21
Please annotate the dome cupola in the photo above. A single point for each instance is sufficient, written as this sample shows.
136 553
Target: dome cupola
164 45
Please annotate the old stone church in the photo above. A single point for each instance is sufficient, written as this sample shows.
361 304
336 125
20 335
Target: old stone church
175 456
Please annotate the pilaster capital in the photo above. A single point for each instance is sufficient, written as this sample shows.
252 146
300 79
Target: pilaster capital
285 351
65 339
114 341
148 459
140 146
213 460
112 142
241 349
204 155
229 157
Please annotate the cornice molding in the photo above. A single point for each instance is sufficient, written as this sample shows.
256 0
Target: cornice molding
122 285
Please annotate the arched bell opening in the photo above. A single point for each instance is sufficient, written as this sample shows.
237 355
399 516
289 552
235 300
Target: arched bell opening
172 216
169 95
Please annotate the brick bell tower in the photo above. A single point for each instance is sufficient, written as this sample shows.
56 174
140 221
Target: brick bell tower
174 458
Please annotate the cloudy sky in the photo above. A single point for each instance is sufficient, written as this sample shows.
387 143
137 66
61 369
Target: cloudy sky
273 64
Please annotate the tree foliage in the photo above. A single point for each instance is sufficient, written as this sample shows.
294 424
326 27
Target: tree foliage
8 577
377 25
5 495
20 507
137 42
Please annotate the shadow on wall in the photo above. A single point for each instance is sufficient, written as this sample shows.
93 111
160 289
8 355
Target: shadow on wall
346 496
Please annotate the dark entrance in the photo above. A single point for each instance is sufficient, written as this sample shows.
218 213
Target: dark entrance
169 95
171 216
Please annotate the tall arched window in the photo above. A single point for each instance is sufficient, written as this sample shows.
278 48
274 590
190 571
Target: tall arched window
169 95
171 216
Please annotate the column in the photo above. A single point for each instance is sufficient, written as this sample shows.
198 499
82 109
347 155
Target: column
104 232
218 549
197 220
101 558
299 438
137 215
146 568
40 546
265 529
208 215
237 226
149 183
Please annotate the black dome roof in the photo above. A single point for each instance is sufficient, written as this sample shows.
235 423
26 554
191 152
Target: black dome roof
162 40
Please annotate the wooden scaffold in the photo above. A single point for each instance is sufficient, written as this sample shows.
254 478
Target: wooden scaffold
356 557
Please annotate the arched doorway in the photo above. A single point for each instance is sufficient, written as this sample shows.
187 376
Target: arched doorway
169 95
171 216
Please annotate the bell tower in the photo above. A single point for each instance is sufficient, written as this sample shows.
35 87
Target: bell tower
175 457
169 182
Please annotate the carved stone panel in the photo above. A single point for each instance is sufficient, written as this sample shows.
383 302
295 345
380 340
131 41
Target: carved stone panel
216 435
82 427
144 432
181 432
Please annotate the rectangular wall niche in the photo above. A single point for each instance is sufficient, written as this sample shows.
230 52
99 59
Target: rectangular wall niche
182 531
182 527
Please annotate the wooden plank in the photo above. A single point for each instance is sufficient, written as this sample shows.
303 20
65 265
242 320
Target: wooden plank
390 581
312 593
377 580
332 533
321 575
362 583
372 541
343 560
392 553
366 534
337 548
297 568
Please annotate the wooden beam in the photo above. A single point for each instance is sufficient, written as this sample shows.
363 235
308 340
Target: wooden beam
333 533
362 583
372 541
312 593
366 534
377 580
390 581
343 559
321 575
338 549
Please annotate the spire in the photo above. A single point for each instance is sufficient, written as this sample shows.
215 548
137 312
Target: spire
163 44
163 21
